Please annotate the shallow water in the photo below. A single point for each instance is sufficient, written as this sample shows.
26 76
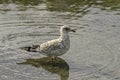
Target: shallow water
95 47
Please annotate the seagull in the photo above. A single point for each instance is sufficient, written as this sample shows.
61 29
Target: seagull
55 47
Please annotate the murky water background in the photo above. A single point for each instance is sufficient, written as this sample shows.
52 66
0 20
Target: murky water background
95 48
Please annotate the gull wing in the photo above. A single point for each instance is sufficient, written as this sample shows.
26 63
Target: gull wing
53 45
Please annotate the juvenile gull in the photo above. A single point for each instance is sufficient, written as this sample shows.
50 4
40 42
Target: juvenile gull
55 47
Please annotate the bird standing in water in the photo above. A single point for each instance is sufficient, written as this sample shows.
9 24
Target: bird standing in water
55 47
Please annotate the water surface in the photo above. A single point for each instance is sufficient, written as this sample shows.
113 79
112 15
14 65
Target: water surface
95 47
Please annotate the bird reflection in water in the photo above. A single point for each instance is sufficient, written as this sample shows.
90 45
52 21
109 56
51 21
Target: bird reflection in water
58 66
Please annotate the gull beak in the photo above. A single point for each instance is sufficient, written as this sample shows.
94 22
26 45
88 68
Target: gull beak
73 30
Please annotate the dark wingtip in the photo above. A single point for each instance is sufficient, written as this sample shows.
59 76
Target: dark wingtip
25 48
30 48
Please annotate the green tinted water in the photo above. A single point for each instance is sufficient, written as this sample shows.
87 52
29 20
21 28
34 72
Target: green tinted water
95 47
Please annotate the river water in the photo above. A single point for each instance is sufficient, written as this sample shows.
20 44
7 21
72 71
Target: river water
95 47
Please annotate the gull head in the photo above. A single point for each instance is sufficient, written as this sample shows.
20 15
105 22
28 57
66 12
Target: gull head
66 28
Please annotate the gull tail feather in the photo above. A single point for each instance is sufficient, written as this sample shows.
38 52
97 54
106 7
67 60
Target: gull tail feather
30 48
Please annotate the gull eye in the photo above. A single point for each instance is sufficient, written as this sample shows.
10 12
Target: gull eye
67 29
